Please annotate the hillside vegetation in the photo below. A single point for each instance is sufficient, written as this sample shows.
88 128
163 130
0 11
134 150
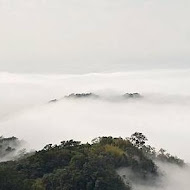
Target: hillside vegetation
75 166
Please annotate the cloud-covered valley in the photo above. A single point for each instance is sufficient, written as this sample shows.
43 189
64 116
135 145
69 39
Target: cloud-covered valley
162 114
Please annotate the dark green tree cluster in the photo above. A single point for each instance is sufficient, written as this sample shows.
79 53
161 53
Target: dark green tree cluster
75 166
139 140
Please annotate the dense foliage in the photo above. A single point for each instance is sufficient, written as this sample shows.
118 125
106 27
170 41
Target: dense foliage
75 166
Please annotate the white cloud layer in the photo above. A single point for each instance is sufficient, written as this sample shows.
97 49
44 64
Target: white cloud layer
162 114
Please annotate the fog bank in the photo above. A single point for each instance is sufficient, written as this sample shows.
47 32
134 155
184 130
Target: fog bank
162 114
172 177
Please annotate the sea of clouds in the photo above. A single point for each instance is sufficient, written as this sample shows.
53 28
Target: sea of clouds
162 114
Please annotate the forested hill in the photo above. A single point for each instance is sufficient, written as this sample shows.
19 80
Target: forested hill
75 166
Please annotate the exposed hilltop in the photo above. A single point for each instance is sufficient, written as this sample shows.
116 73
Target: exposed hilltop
95 96
82 95
132 95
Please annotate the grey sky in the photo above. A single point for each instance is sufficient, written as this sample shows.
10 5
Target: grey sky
93 35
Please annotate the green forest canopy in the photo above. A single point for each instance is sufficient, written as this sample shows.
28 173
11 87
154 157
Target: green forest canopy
75 166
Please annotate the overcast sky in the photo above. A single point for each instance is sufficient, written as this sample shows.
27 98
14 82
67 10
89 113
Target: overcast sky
79 36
